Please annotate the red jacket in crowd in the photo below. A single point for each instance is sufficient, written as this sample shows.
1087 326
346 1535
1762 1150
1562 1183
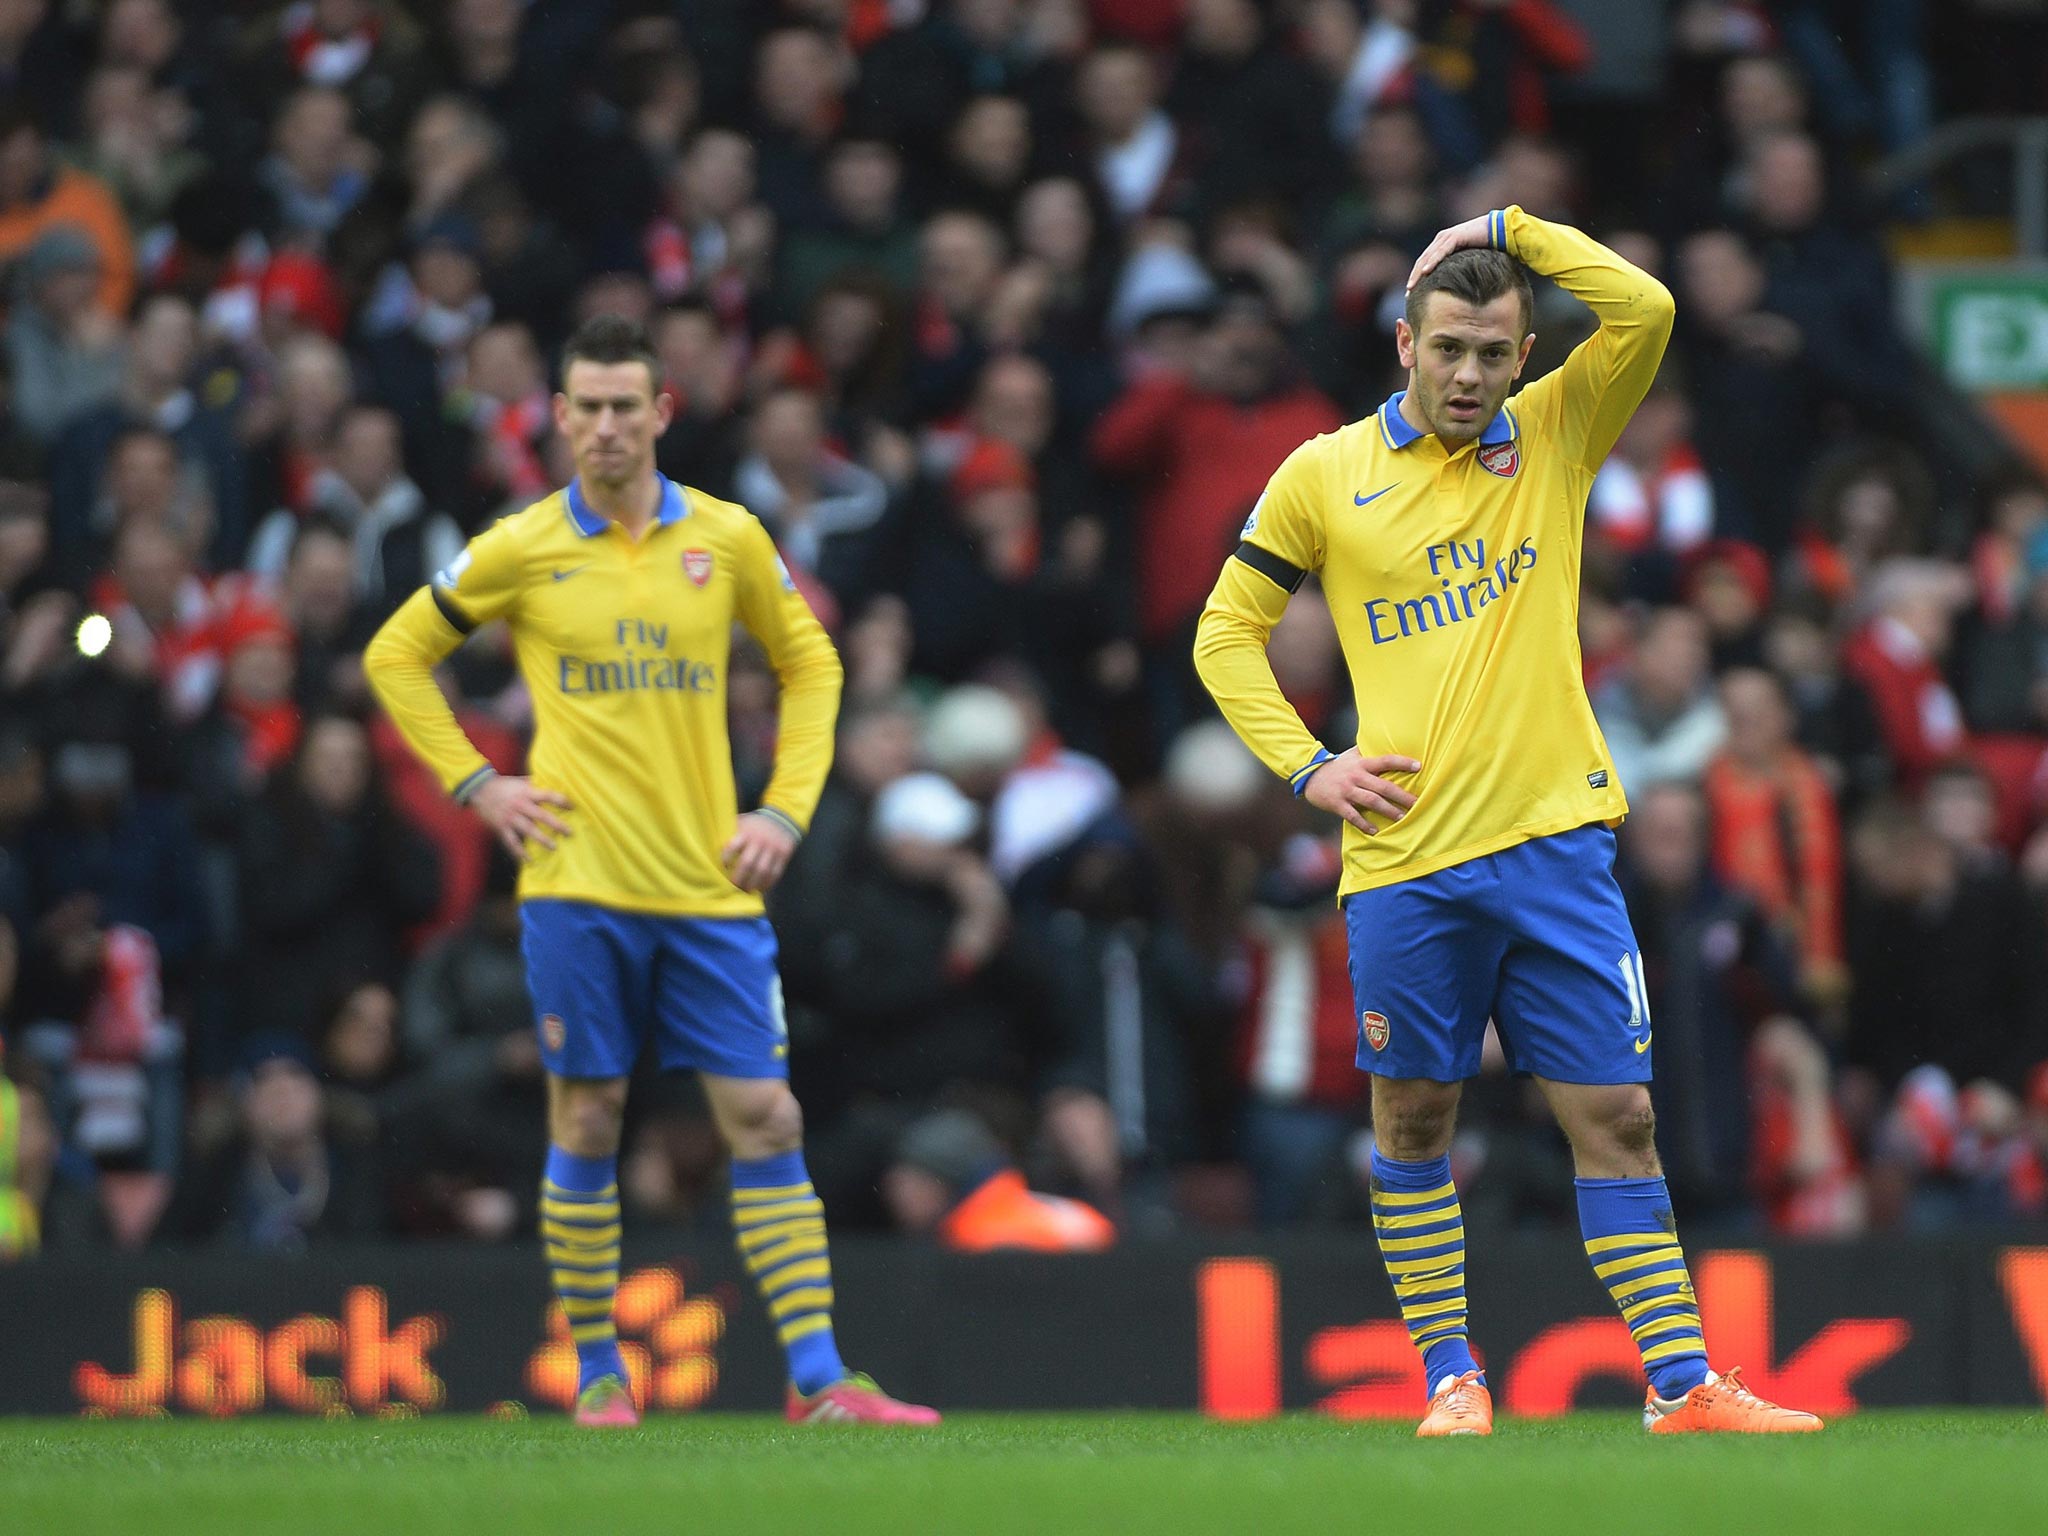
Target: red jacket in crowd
1918 714
1778 839
1205 460
1298 1038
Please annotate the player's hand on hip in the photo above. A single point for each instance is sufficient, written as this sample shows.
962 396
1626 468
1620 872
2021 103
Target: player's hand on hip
519 811
758 853
1459 237
1354 787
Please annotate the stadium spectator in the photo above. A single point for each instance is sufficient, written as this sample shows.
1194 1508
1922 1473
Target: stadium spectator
988 154
1757 402
821 506
1713 969
1938 947
1728 583
290 427
284 1179
1806 1173
1895 658
396 541
136 142
1202 442
330 879
39 196
1140 159
864 228
952 1180
63 351
926 988
1261 108
370 52
156 393
1652 493
1305 1097
1776 836
1128 994
316 172
799 80
329 626
2002 647
1661 719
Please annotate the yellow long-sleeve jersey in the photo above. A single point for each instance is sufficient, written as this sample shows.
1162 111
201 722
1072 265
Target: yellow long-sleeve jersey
1453 577
624 645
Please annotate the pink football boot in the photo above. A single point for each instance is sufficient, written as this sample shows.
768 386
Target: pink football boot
855 1400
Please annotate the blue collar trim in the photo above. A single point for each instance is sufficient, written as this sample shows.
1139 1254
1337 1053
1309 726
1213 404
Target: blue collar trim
1394 427
590 524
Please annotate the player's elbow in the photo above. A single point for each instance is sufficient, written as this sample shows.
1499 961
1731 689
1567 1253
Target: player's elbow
1220 638
382 657
823 669
1658 308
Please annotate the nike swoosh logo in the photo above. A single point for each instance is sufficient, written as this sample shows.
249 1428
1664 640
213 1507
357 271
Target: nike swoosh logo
1642 1045
565 575
1375 496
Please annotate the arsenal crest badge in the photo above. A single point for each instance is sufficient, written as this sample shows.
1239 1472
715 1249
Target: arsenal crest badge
553 1032
1375 1027
1501 459
697 565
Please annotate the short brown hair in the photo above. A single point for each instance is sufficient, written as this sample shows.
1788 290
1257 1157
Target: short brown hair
1478 277
612 339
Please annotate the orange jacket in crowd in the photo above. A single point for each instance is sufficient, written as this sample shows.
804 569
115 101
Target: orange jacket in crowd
84 203
1004 1212
1778 838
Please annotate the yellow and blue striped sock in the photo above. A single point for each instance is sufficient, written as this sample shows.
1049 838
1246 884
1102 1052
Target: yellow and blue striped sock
779 1223
1421 1228
1632 1239
579 1228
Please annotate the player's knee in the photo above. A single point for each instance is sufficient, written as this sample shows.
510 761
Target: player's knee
589 1119
783 1126
766 1123
1632 1126
1414 1133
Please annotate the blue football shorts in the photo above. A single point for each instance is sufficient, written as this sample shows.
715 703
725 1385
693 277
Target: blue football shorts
604 982
1535 937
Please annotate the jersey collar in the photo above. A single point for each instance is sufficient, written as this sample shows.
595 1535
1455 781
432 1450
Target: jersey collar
1397 434
590 524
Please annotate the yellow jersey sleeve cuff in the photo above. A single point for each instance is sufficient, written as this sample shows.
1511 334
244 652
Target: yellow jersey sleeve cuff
782 819
464 792
1299 781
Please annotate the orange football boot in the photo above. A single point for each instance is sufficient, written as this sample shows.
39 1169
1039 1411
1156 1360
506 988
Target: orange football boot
1461 1406
1722 1405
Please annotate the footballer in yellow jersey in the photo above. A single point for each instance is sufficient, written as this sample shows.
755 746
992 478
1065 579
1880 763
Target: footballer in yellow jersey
640 906
1478 858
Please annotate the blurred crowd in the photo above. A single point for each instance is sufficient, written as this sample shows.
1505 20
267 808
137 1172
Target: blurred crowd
997 313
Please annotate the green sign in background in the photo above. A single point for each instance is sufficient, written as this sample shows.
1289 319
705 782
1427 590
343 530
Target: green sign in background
1990 329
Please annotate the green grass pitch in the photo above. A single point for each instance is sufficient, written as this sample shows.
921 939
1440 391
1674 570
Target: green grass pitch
1131 1474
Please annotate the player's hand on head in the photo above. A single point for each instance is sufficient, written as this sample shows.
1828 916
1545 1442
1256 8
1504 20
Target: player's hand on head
757 853
520 812
1354 787
1473 234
